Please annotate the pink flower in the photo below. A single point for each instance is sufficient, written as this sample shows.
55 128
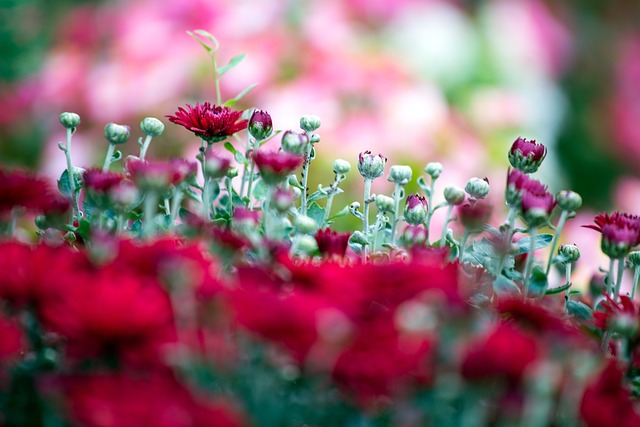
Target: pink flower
275 166
620 232
212 123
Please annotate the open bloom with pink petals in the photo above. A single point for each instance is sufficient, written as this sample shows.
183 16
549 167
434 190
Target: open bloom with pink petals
210 122
31 192
276 166
620 232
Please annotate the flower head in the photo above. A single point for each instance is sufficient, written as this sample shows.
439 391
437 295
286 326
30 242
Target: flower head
99 181
260 124
530 195
159 175
527 155
620 232
371 166
31 192
474 216
331 243
275 166
212 123
415 211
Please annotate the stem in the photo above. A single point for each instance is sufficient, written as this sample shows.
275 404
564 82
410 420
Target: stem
175 206
567 275
230 194
330 196
616 297
397 195
266 211
556 237
305 176
216 79
167 207
529 266
636 278
107 160
244 167
365 214
377 227
447 218
610 285
206 203
251 175
463 243
432 189
145 147
70 174
149 211
511 218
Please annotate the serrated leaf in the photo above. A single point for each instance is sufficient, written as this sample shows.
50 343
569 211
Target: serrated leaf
538 283
558 289
316 212
541 241
579 310
342 212
233 62
504 287
231 102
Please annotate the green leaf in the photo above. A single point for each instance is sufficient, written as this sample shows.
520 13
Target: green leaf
260 190
214 190
230 148
206 35
538 283
231 102
342 212
558 289
504 287
316 212
233 62
579 310
425 187
64 185
541 241
240 158
316 195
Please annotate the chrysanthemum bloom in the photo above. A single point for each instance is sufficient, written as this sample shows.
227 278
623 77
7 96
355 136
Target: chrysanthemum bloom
527 155
99 185
216 165
416 209
474 216
620 233
621 317
371 166
274 166
212 123
414 235
530 196
12 339
31 192
331 243
159 175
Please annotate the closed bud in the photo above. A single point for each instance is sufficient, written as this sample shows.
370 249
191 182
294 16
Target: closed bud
371 166
309 122
282 200
152 126
305 244
305 225
477 188
293 142
384 203
416 209
315 138
69 120
434 169
400 174
260 125
569 253
414 235
527 155
232 172
536 217
454 195
624 323
568 200
341 167
116 134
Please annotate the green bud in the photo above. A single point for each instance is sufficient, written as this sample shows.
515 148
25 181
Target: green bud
477 188
400 174
341 167
304 224
570 253
569 200
116 134
152 126
434 169
371 166
293 142
69 120
454 195
536 217
307 245
232 172
41 222
625 324
315 138
384 203
309 122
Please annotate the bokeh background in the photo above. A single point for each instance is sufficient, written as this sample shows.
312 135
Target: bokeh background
417 80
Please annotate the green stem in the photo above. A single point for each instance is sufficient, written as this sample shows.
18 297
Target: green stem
149 211
447 218
145 147
432 189
556 238
216 79
250 188
511 219
567 275
530 257
305 177
107 160
330 196
230 194
365 214
175 206
206 202
610 284
397 195
463 243
266 212
616 297
245 166
376 228
167 207
70 174
636 279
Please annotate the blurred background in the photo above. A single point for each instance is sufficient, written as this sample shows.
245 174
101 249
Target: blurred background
416 80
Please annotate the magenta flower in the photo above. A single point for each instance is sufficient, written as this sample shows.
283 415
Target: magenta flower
160 175
331 243
260 124
99 181
620 232
212 123
527 155
416 209
275 166
474 216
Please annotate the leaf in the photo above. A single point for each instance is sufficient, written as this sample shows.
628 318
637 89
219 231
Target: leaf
425 187
538 283
231 102
541 241
230 148
233 62
579 310
259 190
64 185
505 287
558 289
206 35
214 190
342 212
316 195
240 158
316 212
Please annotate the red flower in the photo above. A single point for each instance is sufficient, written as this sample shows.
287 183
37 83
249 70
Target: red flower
529 194
100 181
606 401
474 216
533 316
160 174
275 166
526 155
12 340
142 400
506 352
212 123
622 317
31 192
331 243
620 232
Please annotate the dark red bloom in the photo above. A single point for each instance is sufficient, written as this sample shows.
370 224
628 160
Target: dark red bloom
526 155
528 194
622 317
212 123
331 243
606 401
260 124
12 339
154 399
534 317
31 192
275 166
414 235
620 232
474 216
505 352
100 181
160 175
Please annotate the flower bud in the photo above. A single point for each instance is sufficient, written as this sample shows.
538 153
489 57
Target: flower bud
536 217
624 323
477 188
358 238
306 244
568 200
474 216
400 174
260 125
371 166
341 167
434 169
216 166
152 126
309 122
116 134
570 253
634 258
282 200
526 155
384 203
305 225
69 120
275 167
232 172
454 195
415 211
414 235
294 143
315 138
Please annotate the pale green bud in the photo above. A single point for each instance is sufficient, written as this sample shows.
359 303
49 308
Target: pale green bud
477 188
69 120
454 195
309 122
152 126
400 174
434 169
341 167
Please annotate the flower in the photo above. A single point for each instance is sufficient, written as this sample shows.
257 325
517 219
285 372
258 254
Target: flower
527 155
622 317
474 216
31 192
414 235
331 243
371 166
212 123
416 209
275 166
216 166
159 175
530 196
260 124
294 142
620 232
99 181
12 340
